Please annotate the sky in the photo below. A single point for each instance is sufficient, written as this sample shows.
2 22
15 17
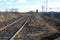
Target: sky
29 5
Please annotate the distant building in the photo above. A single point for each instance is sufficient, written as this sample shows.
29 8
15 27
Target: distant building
36 12
11 10
31 12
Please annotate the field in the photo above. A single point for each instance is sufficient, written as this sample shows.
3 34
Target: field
34 30
7 16
37 26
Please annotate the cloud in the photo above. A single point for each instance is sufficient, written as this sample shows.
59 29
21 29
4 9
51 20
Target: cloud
2 9
30 8
9 3
24 5
21 1
5 2
54 4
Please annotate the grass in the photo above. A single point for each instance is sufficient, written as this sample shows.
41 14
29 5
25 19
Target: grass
4 17
43 29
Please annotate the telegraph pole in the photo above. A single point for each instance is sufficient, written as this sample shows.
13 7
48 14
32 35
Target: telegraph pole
42 8
46 5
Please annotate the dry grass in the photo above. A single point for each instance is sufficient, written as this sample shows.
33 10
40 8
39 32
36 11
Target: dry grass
5 17
40 23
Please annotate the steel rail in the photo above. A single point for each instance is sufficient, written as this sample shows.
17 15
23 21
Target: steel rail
1 29
12 38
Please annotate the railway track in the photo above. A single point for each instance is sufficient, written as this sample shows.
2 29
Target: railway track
30 30
8 31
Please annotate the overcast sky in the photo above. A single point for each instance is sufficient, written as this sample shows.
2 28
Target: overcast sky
28 5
